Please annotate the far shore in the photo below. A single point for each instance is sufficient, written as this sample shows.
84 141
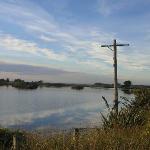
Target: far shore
21 84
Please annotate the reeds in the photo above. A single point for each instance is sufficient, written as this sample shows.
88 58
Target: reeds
132 112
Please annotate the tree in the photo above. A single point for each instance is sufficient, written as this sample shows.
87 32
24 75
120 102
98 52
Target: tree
7 80
127 84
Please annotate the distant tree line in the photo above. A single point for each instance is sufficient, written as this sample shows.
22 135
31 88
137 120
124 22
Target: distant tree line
18 83
4 82
21 84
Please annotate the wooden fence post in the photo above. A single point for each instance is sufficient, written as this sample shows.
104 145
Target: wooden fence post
14 144
76 138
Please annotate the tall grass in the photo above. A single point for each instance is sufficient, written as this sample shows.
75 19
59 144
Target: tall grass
132 113
129 139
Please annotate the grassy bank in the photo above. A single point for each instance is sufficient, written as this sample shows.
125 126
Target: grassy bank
129 130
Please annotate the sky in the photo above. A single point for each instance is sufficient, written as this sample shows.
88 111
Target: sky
66 35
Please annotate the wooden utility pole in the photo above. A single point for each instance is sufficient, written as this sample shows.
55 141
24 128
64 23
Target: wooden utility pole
115 79
115 72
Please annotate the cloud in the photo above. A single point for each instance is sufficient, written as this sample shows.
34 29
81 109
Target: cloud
43 25
29 72
74 45
19 119
29 69
12 43
65 113
52 55
134 60
109 7
47 39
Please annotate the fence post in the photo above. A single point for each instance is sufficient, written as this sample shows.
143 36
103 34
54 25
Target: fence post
63 141
76 138
14 144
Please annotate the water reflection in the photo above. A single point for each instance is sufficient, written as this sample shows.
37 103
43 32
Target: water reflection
52 107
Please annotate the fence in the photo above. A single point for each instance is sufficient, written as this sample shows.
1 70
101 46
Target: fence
16 141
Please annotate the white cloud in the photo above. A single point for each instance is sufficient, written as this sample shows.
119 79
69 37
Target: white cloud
52 55
11 43
108 7
47 39
45 27
18 119
23 14
15 44
134 61
74 42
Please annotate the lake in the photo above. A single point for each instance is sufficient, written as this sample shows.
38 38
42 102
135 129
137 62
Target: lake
53 107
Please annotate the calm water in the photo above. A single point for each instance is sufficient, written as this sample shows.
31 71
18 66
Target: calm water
52 107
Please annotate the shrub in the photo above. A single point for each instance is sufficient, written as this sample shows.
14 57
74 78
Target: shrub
133 113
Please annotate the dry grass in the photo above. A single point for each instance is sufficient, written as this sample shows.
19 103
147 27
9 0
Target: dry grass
115 139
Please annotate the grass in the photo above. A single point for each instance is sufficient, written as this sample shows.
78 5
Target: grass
129 130
122 139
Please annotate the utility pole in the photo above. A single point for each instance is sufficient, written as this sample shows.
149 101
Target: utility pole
115 72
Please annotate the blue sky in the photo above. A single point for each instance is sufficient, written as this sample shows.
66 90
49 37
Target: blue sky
66 34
